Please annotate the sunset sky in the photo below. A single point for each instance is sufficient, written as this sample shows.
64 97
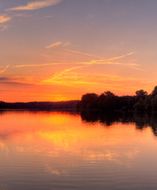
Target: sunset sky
52 50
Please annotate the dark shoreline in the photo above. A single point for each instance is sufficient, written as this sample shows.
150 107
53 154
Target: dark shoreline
39 106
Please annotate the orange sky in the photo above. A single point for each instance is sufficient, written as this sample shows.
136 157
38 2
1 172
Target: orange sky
60 49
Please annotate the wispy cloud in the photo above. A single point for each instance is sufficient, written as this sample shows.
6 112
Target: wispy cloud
60 74
66 77
73 76
70 77
4 19
5 68
14 81
87 56
58 44
115 60
33 65
77 52
121 56
91 59
75 73
2 70
3 27
101 60
35 5
80 64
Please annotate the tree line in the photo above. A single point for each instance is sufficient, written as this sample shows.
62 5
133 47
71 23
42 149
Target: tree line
108 102
47 106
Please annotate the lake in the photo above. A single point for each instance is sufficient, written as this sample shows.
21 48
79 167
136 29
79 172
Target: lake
62 151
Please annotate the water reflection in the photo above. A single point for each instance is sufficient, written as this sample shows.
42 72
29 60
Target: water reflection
49 150
141 121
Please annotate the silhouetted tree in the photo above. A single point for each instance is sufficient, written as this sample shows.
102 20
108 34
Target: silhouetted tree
107 102
109 94
140 106
141 93
154 92
154 103
89 101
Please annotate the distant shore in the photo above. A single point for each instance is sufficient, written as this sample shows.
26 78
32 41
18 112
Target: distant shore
62 105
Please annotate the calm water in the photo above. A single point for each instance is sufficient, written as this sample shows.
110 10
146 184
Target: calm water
59 151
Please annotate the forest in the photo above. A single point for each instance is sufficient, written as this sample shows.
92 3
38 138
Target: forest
108 102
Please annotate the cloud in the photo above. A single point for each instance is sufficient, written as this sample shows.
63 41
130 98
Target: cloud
89 57
79 64
15 81
71 76
4 69
35 5
8 80
4 19
3 27
34 65
58 44
85 58
121 56
97 60
73 51
115 60
64 75
108 60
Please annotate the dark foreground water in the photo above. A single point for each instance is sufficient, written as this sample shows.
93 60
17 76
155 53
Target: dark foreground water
60 151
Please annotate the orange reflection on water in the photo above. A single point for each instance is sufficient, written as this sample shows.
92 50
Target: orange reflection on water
61 135
60 149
